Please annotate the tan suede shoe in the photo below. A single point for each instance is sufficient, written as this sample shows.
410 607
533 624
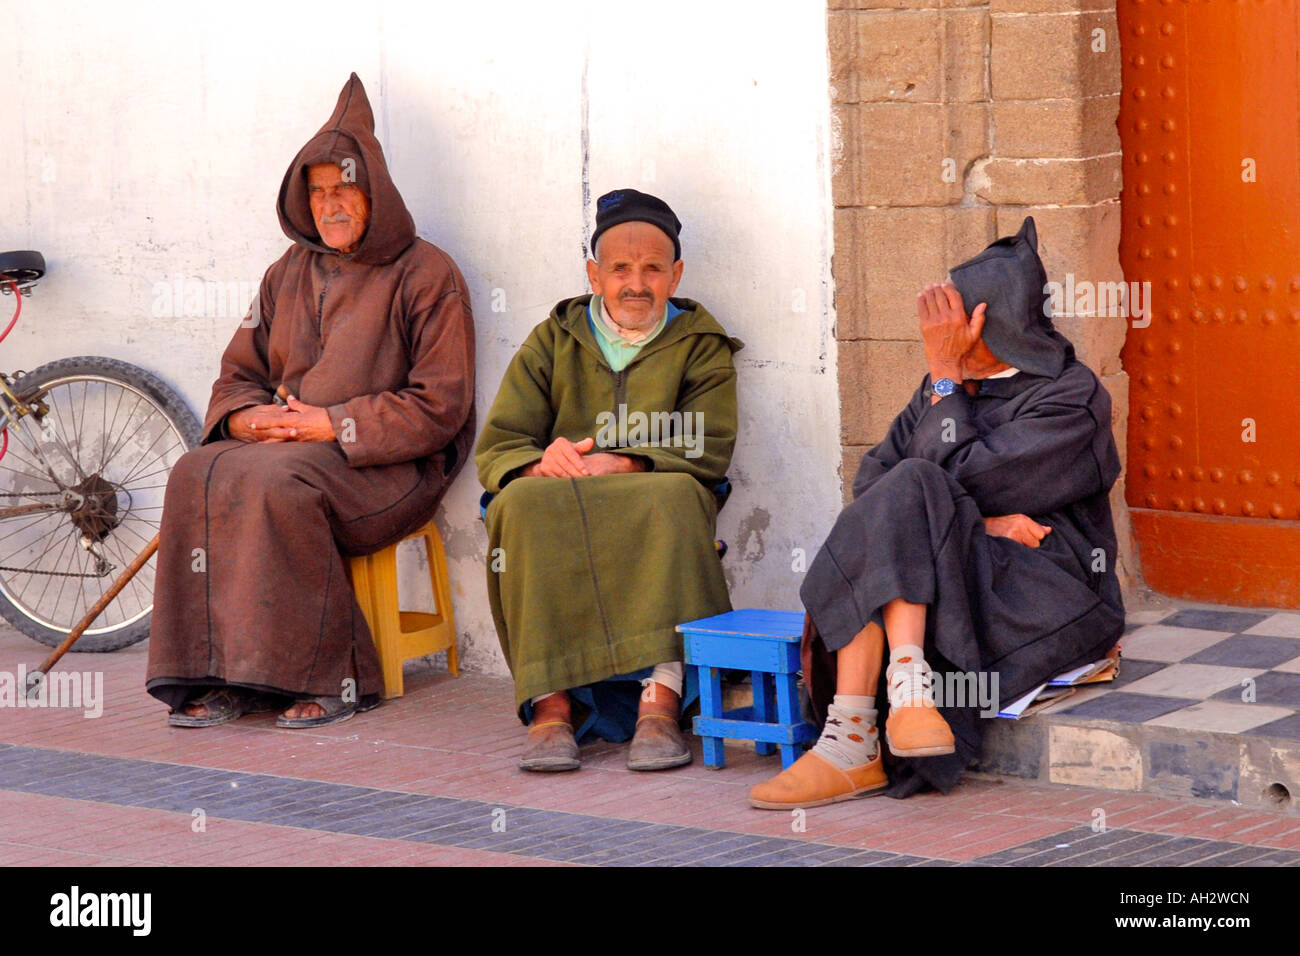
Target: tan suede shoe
551 748
917 729
811 781
658 744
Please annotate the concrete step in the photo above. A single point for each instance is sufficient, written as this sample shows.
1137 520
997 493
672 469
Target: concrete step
1206 705
1260 772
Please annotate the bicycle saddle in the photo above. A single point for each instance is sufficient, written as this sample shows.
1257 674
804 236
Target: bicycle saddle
24 268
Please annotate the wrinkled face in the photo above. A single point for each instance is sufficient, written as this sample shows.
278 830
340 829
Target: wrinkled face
634 273
341 209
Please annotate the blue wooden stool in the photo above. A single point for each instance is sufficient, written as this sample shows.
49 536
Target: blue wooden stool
765 643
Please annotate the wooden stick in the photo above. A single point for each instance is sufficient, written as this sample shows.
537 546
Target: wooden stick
105 600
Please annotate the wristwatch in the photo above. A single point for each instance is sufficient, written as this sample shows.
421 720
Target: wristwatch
944 387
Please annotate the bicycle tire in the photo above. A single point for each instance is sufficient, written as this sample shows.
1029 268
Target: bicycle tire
120 495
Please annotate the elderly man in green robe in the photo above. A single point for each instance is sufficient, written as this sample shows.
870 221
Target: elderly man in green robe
612 431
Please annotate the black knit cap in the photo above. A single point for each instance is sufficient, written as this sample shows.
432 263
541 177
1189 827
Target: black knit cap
628 205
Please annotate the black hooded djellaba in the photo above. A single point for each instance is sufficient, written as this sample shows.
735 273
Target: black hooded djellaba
1036 443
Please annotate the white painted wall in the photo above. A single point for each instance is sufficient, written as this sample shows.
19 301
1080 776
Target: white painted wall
146 141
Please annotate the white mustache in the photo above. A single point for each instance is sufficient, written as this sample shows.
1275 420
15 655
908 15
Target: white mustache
335 220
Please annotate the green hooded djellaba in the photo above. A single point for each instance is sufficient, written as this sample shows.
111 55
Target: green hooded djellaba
588 577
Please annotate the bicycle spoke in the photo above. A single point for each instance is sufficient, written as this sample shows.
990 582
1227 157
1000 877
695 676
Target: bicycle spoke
161 471
126 434
133 584
81 426
123 561
72 413
104 618
160 457
19 530
10 556
138 461
32 577
108 429
50 580
79 595
123 527
31 462
75 540
113 442
67 449
20 434
136 488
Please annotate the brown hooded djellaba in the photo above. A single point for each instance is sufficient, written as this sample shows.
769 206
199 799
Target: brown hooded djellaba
252 584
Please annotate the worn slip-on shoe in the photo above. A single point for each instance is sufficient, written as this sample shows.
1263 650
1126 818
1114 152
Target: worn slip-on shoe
917 729
812 781
551 748
658 744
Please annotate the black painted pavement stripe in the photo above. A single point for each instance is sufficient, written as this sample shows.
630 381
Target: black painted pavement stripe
1116 846
387 814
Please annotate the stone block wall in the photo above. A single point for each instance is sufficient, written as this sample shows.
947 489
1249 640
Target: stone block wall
954 119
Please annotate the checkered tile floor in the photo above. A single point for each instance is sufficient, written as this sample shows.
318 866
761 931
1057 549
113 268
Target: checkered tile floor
1227 671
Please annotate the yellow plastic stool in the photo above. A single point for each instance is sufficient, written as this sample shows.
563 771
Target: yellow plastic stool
400 635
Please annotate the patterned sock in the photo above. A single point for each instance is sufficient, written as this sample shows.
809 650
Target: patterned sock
849 737
909 676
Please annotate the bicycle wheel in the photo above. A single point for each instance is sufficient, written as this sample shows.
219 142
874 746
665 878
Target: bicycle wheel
83 478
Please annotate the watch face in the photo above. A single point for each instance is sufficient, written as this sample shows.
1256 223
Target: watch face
944 387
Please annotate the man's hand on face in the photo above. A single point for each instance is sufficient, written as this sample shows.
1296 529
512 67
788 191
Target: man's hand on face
566 459
1020 528
272 423
946 331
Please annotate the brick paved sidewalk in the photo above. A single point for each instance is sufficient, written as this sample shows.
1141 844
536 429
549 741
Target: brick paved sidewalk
431 779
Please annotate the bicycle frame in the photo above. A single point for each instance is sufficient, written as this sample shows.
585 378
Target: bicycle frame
9 404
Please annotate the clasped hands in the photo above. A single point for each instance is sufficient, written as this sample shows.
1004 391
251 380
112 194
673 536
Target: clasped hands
295 421
566 459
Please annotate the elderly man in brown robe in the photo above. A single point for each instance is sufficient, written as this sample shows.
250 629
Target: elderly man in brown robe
366 331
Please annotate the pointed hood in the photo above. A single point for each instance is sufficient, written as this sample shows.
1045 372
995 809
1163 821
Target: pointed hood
1010 278
348 140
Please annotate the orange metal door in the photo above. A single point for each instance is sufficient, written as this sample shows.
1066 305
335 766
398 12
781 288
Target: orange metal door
1210 127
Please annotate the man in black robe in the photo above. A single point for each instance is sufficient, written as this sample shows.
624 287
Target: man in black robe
979 545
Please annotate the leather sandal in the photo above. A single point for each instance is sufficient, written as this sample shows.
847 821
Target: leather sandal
336 710
223 704
551 748
658 744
